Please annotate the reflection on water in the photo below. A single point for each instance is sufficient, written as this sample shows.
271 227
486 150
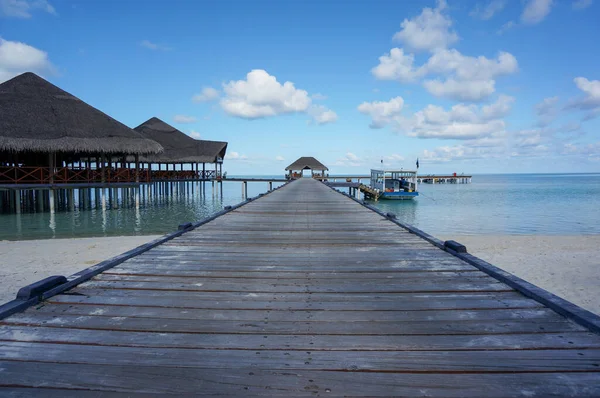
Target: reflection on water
492 204
116 212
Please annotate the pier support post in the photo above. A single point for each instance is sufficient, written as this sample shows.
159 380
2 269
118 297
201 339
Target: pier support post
18 201
51 200
270 185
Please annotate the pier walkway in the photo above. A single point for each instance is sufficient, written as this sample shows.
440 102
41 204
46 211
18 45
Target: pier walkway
305 292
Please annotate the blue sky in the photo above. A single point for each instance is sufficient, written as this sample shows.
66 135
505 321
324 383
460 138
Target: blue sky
488 86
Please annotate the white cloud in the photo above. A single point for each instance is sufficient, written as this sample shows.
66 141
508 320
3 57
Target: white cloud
381 112
17 58
232 155
194 134
428 31
488 11
24 8
261 95
535 11
590 102
397 66
322 115
351 156
474 90
208 94
470 78
581 4
592 90
279 158
463 78
507 26
464 122
349 160
547 111
184 119
498 109
153 46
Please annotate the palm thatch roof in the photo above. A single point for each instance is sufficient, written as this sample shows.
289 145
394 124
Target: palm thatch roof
37 116
307 163
179 147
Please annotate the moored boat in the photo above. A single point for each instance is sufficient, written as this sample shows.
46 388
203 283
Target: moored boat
392 184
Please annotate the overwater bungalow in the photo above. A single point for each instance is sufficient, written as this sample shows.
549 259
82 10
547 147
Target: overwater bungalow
179 150
49 136
296 169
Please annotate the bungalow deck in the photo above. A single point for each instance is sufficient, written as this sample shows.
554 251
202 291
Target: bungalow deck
305 293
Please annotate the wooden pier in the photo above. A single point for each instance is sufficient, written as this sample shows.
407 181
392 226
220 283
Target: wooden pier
306 292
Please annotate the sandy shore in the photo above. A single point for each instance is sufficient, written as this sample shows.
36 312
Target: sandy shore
568 266
25 262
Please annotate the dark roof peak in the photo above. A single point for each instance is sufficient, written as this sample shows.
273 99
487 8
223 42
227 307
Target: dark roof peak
40 117
307 162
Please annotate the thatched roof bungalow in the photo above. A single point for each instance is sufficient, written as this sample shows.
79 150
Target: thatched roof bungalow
305 163
178 146
37 116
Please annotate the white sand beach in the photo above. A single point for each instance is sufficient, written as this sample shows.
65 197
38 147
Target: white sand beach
25 262
568 266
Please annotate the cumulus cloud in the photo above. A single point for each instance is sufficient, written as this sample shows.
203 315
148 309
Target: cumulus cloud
535 11
430 30
261 95
459 77
382 113
153 46
184 119
349 159
194 134
590 101
232 155
322 115
581 4
469 78
485 12
24 8
17 58
279 158
546 111
208 94
397 65
461 121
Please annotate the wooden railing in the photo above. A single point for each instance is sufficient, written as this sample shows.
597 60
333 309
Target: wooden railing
67 175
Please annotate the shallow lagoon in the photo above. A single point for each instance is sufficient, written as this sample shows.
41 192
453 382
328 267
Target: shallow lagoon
517 204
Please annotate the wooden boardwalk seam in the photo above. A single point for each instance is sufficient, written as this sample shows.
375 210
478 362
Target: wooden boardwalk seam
303 292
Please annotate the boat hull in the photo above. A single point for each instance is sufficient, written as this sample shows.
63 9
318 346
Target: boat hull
399 195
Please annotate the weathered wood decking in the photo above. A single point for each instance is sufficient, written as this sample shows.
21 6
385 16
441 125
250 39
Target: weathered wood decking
306 292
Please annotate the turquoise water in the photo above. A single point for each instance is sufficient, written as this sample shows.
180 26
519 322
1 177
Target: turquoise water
155 214
510 204
546 204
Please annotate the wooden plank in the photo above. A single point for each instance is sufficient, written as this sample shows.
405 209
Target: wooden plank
527 341
244 381
299 287
388 361
266 326
296 316
160 299
131 273
322 277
